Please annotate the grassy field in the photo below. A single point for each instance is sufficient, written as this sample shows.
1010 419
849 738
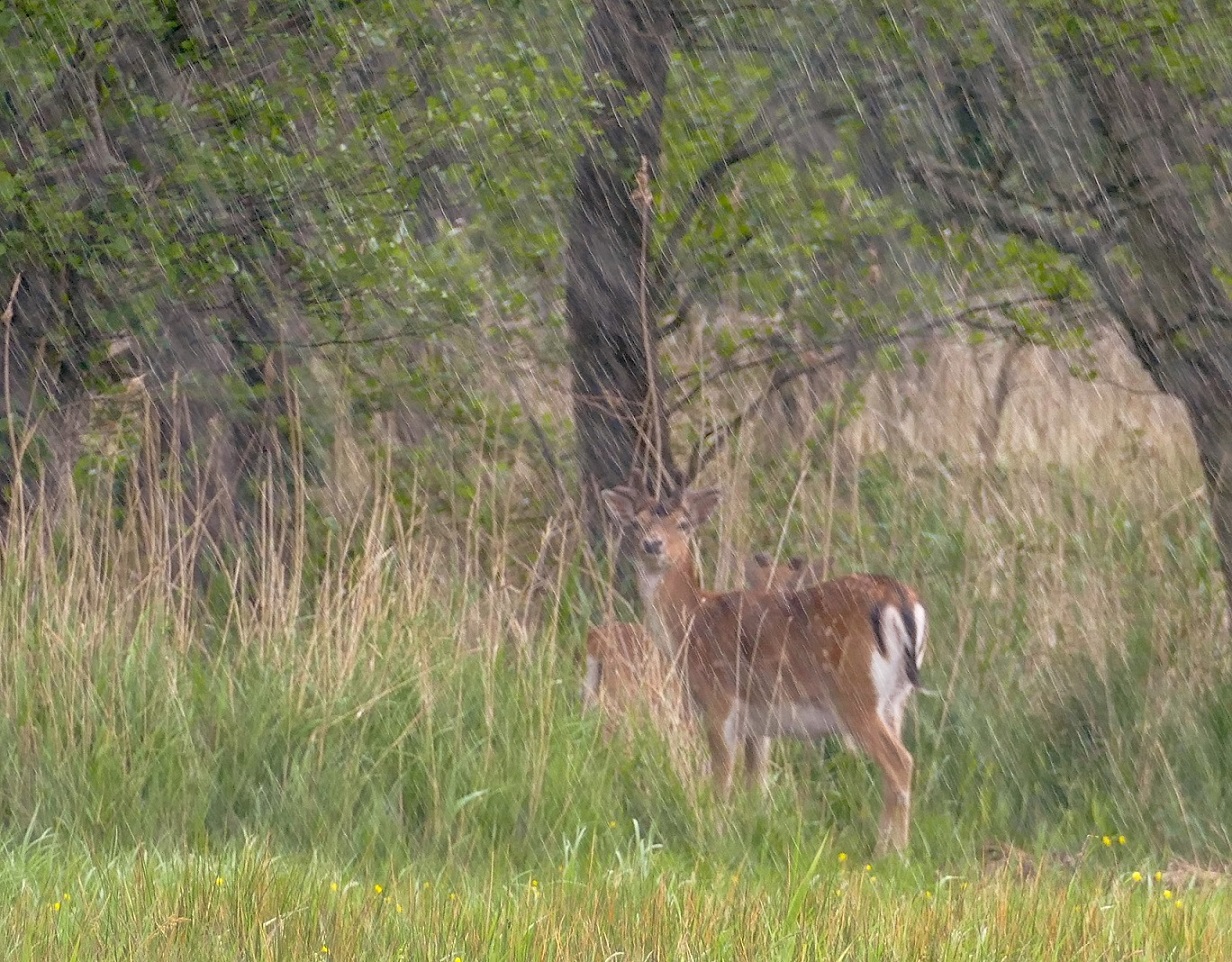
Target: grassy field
372 748
249 904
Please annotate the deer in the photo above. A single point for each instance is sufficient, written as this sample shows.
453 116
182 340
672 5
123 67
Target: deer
838 658
762 574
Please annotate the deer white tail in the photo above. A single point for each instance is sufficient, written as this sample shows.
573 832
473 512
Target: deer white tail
901 630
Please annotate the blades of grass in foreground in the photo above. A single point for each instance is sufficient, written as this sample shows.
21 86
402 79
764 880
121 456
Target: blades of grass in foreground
247 903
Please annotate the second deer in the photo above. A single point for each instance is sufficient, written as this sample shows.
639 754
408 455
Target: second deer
762 574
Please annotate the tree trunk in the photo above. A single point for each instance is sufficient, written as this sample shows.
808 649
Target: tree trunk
621 429
1184 337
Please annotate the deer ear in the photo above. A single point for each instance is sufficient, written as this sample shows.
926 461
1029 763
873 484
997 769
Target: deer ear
620 504
699 505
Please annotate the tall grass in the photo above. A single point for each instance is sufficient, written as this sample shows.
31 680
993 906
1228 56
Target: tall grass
398 699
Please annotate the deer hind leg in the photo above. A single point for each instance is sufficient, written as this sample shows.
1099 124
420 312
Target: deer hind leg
756 755
896 765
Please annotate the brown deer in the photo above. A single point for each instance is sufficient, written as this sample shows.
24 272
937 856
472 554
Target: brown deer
761 574
839 658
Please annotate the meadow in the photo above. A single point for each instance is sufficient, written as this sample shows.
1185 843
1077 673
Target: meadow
363 740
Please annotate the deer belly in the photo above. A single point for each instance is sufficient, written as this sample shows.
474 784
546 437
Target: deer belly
809 720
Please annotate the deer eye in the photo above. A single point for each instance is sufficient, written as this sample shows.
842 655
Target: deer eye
683 524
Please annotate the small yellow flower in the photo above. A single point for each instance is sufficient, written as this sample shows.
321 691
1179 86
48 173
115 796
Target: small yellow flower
378 888
1159 876
1137 876
534 883
1120 839
218 881
928 893
453 896
325 950
427 884
842 856
457 958
399 908
56 907
611 824
1178 903
868 868
67 898
1168 893
1107 840
333 886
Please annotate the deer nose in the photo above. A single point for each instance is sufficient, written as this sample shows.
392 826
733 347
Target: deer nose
653 546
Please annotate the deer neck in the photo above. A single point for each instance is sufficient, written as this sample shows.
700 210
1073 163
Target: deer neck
670 599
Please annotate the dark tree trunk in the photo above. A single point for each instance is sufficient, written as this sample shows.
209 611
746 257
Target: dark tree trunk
1183 336
621 430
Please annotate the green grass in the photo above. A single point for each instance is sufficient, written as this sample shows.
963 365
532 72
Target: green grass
412 718
246 903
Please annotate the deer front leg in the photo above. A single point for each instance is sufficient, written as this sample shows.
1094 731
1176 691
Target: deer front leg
722 738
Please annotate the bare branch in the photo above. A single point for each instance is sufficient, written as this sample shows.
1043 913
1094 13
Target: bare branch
710 444
7 317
